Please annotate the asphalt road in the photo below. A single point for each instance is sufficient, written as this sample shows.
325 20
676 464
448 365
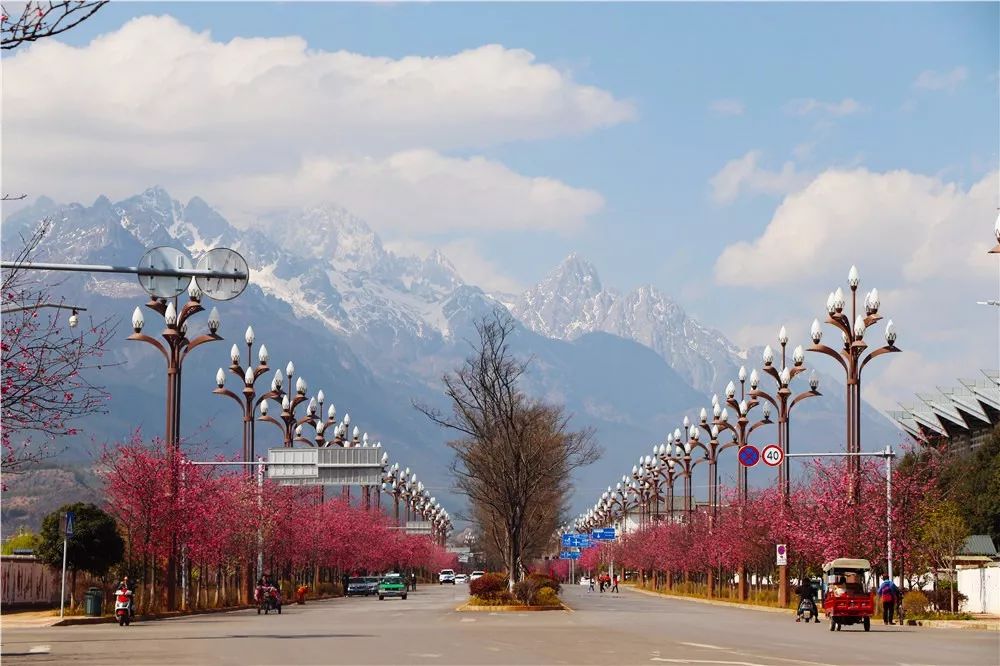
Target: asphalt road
629 628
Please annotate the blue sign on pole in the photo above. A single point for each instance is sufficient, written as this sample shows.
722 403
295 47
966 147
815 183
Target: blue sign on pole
568 540
582 541
69 524
605 534
567 555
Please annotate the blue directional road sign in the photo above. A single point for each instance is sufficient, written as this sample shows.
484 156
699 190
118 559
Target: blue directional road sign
70 519
605 534
567 540
582 541
567 555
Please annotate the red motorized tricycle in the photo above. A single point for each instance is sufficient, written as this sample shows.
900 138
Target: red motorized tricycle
847 598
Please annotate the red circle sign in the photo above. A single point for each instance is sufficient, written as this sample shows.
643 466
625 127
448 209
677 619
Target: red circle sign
772 455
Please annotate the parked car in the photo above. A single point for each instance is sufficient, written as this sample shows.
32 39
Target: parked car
362 586
477 574
461 578
392 585
446 576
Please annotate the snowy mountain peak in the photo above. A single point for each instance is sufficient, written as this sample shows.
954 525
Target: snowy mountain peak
327 232
570 302
576 274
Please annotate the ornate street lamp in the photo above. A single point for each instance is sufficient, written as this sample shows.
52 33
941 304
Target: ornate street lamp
782 399
287 421
248 401
742 429
852 357
175 348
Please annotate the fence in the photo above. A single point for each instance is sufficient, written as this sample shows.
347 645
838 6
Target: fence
982 587
25 581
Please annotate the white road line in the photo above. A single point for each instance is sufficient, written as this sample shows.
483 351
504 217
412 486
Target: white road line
704 645
427 655
40 649
708 661
467 619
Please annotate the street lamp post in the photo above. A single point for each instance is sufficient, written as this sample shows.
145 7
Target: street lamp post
783 402
175 348
248 401
852 357
741 431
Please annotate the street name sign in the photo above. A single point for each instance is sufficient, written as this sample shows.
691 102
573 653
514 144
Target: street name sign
605 534
749 455
567 555
772 455
782 555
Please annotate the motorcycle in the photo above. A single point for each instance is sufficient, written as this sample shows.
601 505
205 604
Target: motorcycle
267 599
123 607
807 610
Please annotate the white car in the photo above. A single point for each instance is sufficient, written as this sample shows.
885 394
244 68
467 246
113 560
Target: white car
477 574
446 576
461 578
584 581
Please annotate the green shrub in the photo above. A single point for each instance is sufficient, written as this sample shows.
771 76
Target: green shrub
547 597
915 603
489 585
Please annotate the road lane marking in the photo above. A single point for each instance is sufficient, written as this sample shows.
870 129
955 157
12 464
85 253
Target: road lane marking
426 655
468 619
704 645
40 649
708 661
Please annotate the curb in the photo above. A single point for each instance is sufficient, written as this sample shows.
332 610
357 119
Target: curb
972 625
466 607
712 602
110 619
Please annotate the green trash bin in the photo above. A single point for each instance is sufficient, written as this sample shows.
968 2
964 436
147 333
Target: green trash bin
92 601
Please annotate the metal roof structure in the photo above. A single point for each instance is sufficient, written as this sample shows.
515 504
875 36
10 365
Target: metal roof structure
970 408
978 544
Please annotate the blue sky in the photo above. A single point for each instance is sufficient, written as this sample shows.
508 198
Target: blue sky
800 93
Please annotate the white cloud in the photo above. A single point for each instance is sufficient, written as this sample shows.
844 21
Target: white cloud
803 107
921 240
930 79
420 190
467 258
156 102
474 268
727 107
743 175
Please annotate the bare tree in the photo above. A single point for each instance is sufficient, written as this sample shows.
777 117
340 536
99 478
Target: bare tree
36 20
46 365
514 456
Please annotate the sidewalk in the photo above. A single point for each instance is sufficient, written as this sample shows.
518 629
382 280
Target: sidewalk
714 602
981 622
50 618
29 619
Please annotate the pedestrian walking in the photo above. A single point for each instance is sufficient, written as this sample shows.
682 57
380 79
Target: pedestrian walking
890 596
591 583
615 587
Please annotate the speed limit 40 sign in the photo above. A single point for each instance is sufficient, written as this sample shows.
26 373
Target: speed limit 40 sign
772 455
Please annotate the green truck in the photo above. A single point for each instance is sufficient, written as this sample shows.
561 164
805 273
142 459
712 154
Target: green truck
392 585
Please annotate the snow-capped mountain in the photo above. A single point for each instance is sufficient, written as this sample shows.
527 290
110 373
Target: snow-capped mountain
571 301
376 331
